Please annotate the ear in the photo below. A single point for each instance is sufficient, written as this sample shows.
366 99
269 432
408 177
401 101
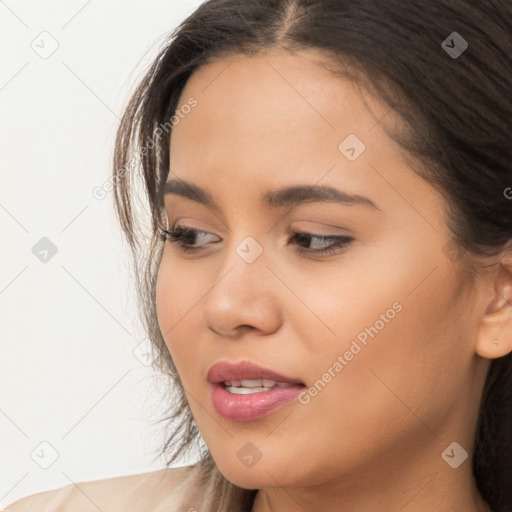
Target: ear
494 338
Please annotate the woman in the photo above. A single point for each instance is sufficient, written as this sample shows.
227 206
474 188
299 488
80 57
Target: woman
328 279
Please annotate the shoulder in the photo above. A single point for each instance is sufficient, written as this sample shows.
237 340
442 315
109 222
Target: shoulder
142 492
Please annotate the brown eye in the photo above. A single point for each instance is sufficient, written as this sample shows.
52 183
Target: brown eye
337 242
184 238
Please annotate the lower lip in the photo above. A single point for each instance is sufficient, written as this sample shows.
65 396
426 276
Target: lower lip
252 406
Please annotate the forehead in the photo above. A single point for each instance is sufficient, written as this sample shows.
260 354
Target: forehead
280 111
274 94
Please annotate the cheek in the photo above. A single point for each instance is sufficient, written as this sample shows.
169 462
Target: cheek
165 304
397 325
173 303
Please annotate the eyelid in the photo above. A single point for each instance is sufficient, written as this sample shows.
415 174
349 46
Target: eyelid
339 243
187 219
314 230
323 217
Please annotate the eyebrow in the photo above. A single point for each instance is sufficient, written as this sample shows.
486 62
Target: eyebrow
285 197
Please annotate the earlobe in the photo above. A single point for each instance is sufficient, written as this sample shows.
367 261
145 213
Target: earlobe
494 338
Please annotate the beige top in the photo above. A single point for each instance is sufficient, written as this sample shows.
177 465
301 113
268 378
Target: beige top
184 489
164 490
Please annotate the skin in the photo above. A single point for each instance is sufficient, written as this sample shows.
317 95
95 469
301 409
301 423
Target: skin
372 439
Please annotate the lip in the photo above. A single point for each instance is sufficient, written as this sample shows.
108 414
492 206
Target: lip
249 407
224 370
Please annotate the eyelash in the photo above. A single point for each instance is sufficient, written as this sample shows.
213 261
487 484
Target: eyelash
180 233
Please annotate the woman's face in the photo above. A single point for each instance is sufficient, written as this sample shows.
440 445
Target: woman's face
378 331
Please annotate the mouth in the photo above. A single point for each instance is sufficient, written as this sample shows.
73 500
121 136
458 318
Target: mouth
245 392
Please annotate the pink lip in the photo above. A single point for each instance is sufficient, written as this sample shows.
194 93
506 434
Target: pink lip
223 370
252 406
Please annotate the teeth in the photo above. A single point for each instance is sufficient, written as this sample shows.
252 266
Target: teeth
246 391
247 386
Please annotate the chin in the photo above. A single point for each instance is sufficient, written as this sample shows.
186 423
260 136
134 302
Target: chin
263 474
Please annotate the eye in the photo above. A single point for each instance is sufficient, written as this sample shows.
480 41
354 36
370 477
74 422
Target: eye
336 243
184 238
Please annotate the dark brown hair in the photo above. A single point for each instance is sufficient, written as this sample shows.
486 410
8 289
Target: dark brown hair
458 114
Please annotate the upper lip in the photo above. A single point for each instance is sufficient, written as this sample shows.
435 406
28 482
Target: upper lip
245 370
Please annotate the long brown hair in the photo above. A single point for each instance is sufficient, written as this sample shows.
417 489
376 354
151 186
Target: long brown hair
459 116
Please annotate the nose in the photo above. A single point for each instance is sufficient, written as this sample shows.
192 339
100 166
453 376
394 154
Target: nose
242 299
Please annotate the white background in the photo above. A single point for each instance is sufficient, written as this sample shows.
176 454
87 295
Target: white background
68 327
